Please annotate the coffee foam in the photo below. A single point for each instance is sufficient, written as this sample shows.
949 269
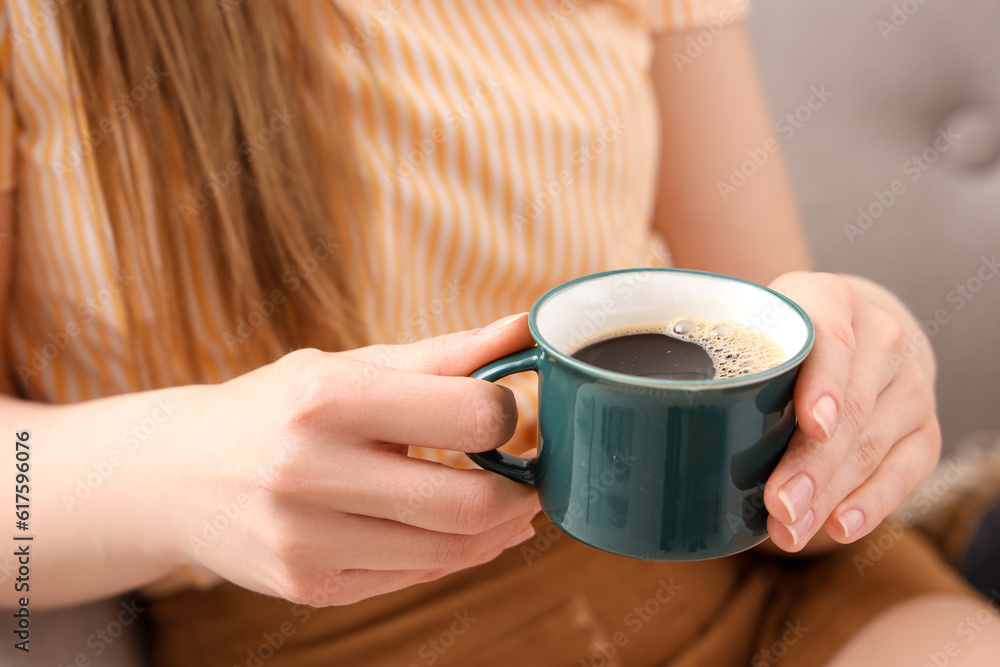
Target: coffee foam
736 350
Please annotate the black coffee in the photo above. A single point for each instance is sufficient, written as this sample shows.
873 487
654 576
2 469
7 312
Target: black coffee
651 355
685 349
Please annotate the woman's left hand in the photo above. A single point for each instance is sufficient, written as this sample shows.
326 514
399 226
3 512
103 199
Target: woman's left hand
867 429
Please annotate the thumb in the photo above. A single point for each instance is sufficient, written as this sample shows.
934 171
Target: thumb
457 353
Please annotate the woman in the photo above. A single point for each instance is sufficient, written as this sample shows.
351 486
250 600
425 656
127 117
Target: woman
195 191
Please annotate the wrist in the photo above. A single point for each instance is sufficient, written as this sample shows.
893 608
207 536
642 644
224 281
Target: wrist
158 497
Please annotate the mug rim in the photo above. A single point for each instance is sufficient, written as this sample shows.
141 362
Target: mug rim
625 378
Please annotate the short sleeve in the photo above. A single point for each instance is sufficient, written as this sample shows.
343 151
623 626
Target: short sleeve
9 129
683 15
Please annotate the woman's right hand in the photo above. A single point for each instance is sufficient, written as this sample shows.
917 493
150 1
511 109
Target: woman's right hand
302 487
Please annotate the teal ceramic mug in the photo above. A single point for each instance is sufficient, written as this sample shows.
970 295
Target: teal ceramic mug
655 469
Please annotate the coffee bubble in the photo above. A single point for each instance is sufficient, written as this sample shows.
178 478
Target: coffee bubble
735 349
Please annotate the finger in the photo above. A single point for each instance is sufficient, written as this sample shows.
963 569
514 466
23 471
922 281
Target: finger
457 413
344 587
380 544
402 408
908 464
809 465
898 412
823 377
337 588
430 495
822 395
453 354
350 541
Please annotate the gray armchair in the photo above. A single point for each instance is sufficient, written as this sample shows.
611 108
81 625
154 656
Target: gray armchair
898 171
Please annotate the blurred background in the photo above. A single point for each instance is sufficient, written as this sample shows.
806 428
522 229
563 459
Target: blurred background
896 165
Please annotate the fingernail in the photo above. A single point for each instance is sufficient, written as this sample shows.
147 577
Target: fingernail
796 495
521 537
499 324
825 414
851 521
801 528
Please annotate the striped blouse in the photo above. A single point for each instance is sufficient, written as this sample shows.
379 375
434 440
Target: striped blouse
513 146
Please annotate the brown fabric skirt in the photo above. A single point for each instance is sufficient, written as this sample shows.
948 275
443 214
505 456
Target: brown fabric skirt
553 601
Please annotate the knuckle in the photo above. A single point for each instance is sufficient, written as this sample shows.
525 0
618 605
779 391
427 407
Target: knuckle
296 590
455 551
879 502
490 419
797 455
437 349
335 589
932 433
804 453
834 286
291 590
475 510
838 335
300 580
440 345
893 335
276 538
853 411
311 590
298 360
278 478
898 486
309 389
380 356
921 394
868 453
326 394
824 467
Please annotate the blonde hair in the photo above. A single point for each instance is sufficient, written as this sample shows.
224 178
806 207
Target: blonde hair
190 171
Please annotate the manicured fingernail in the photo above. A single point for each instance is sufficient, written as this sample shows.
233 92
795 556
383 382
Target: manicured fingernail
521 537
851 521
796 495
825 414
499 324
801 528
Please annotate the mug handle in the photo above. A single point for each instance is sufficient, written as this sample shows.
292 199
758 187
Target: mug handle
516 468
